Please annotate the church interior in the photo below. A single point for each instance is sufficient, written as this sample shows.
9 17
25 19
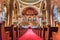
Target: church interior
29 19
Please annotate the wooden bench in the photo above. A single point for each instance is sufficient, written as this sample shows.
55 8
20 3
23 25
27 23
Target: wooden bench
7 35
17 32
47 32
56 35
2 31
12 32
23 30
3 34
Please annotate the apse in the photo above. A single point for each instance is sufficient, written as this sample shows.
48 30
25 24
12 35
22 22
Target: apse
29 17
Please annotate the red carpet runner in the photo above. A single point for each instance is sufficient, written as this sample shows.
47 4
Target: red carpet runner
30 35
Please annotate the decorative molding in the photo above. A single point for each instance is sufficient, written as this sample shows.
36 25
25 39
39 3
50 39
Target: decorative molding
21 9
30 3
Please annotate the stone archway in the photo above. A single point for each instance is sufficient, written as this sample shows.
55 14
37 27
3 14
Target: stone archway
29 11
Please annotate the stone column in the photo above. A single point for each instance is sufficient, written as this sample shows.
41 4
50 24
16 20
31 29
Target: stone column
49 10
46 17
10 11
0 5
0 8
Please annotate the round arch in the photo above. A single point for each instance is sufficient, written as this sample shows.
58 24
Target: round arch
29 9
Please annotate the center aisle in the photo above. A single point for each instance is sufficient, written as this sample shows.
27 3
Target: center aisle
30 35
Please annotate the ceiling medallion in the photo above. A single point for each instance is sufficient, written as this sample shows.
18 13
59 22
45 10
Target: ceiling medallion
31 2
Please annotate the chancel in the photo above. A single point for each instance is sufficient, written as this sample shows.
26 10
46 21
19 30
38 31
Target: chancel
29 19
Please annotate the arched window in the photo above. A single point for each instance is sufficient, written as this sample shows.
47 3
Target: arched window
4 11
24 19
55 12
34 18
29 19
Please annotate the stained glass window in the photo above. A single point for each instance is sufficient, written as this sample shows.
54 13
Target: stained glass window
59 17
55 12
25 19
4 11
34 19
29 19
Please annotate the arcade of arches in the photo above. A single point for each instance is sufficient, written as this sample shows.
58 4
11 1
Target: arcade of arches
18 17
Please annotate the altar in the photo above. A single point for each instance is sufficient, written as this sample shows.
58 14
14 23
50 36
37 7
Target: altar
29 18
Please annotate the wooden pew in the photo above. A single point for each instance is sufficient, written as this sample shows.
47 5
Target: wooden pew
7 35
9 29
13 32
14 35
23 30
46 33
37 31
17 32
56 35
42 33
2 30
3 34
51 29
